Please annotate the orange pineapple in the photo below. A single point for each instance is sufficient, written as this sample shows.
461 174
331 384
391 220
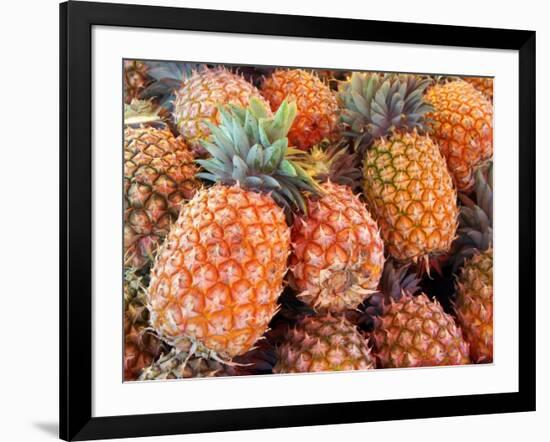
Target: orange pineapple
323 343
474 286
413 331
406 183
482 84
318 109
411 194
215 283
337 254
474 305
159 174
416 332
462 125
197 100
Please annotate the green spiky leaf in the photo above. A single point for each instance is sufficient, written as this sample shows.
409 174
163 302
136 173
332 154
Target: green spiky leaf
373 105
249 147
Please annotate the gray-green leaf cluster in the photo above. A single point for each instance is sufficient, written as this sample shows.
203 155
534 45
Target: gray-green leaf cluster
475 220
373 105
249 147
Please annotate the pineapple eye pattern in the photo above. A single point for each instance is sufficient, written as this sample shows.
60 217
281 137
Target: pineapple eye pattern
290 220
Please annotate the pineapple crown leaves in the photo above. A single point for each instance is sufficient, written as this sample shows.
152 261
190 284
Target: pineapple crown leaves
141 112
375 104
167 78
475 220
249 148
398 280
329 161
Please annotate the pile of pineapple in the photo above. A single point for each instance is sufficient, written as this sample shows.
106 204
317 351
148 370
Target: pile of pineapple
284 220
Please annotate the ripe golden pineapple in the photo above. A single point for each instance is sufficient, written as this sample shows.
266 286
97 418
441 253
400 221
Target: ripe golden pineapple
411 195
141 346
482 84
410 330
196 102
462 125
318 108
337 253
406 183
216 280
473 251
159 173
416 332
220 271
323 343
474 305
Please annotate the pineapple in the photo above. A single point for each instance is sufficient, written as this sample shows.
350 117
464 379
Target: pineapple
136 79
474 305
411 194
482 84
337 253
141 346
197 100
159 174
473 250
462 125
318 108
215 283
414 331
324 343
406 183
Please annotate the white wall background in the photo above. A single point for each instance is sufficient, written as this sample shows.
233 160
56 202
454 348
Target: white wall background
29 217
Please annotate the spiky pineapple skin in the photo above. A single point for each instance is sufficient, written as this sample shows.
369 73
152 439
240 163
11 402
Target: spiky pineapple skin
416 332
323 343
141 346
159 174
318 109
462 126
337 253
474 305
482 84
216 281
411 195
197 101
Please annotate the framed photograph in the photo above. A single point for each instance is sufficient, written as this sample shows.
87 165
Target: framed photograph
274 220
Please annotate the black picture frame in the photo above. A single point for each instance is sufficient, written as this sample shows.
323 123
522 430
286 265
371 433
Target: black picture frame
76 21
